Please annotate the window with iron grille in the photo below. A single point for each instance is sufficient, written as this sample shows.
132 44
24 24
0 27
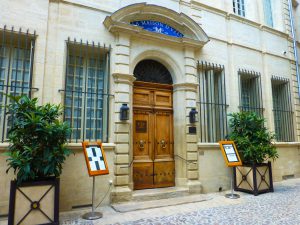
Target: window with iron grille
250 92
212 102
239 7
282 109
268 12
87 91
16 60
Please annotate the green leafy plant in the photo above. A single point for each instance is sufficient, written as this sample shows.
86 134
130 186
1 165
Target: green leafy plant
253 140
37 139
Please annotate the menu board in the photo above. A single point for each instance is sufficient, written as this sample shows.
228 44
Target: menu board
230 153
95 158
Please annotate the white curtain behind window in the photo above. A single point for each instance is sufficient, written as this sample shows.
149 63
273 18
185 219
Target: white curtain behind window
268 12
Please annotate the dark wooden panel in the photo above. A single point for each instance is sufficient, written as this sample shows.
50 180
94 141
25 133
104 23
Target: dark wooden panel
142 97
153 153
163 135
163 99
164 174
142 141
143 175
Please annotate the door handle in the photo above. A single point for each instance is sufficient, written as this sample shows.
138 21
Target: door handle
163 144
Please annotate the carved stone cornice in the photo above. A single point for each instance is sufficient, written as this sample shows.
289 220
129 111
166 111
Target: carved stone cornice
119 22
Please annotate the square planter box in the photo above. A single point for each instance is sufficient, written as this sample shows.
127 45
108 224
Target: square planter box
35 202
253 178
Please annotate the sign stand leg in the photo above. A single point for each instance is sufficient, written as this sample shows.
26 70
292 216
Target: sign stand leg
93 215
232 195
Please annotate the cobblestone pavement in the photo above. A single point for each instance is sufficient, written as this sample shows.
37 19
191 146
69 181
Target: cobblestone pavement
280 207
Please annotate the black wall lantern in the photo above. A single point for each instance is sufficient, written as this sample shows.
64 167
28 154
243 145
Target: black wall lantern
193 115
124 112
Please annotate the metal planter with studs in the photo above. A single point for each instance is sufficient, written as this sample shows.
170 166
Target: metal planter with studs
253 178
34 202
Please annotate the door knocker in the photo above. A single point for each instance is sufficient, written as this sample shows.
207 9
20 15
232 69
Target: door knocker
141 144
163 144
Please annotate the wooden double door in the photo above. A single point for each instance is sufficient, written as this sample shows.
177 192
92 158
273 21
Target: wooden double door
153 144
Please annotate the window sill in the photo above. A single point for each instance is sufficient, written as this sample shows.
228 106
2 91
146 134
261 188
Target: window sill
78 146
215 146
73 146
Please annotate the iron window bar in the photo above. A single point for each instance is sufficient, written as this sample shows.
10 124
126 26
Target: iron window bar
83 92
250 91
280 79
86 97
16 69
212 102
282 109
24 87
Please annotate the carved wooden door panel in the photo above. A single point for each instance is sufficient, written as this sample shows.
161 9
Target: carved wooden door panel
153 155
142 149
164 171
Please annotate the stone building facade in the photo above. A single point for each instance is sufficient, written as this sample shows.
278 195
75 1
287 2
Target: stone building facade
213 56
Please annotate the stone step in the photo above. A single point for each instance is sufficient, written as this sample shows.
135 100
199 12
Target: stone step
141 205
159 193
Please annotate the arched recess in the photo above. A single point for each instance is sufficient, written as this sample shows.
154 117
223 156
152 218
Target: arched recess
153 127
192 34
162 57
152 71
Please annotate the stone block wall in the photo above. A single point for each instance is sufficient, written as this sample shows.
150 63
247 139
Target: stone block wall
214 174
75 183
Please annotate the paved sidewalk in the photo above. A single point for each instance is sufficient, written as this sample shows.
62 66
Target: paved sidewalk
280 207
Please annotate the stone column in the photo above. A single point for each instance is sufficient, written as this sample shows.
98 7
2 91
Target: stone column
123 88
190 95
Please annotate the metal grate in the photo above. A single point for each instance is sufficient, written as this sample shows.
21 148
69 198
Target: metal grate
16 66
212 102
282 109
87 90
250 92
152 71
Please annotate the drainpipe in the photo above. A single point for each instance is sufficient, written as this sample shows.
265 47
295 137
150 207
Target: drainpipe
294 44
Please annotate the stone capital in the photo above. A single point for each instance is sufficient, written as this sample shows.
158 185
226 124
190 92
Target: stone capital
124 78
185 87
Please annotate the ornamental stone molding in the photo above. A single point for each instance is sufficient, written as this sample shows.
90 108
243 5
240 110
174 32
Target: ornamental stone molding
185 87
124 78
119 22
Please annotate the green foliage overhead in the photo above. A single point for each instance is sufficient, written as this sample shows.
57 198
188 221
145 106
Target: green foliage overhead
253 140
37 139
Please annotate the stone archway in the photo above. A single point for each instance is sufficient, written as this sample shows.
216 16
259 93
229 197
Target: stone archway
153 139
128 34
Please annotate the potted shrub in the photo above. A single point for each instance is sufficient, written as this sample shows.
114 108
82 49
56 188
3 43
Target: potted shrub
254 143
36 153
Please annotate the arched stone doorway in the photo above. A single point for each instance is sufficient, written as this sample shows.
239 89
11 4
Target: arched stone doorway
178 53
153 141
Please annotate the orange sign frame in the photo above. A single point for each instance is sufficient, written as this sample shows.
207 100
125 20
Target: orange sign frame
98 145
230 153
